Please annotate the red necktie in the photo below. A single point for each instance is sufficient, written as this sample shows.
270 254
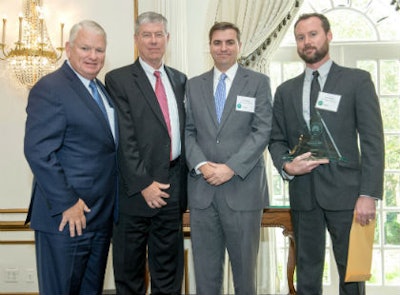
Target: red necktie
162 100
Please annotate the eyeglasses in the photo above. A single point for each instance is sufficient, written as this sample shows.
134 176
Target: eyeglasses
148 35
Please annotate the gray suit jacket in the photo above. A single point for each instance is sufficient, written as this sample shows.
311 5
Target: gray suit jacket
357 130
238 141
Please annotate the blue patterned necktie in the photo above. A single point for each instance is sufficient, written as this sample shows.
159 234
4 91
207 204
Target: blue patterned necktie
97 98
220 96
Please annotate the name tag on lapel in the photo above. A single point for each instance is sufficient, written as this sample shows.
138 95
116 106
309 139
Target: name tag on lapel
328 101
245 104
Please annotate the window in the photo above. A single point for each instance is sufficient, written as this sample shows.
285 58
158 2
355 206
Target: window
365 35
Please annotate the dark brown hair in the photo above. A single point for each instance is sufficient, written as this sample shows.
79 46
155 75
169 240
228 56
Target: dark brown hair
221 26
324 20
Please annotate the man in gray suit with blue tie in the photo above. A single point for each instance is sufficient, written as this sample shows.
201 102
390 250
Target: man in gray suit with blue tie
227 130
325 193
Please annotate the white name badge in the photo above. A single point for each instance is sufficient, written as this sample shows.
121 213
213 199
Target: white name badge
245 104
328 101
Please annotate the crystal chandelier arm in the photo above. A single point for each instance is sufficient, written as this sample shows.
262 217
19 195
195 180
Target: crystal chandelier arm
33 55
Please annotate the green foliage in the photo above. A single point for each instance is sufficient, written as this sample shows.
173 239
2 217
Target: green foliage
392 229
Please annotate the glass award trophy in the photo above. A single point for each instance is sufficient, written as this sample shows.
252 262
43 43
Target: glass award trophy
319 142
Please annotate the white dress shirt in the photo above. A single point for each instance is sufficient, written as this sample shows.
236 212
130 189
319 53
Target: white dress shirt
172 105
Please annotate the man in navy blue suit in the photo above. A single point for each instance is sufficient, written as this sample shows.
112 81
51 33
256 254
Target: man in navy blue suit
70 144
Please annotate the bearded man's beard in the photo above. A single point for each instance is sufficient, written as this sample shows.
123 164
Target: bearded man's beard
317 56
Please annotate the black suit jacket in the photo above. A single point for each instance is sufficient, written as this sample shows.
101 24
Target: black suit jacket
144 150
357 130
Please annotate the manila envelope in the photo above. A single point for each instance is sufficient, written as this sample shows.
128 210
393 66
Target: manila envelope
359 258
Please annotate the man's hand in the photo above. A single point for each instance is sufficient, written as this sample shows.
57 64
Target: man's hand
365 210
154 194
216 174
303 164
76 218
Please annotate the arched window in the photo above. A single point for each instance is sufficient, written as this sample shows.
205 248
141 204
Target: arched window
366 35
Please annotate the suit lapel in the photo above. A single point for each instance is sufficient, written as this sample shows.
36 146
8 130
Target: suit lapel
207 89
331 87
297 99
331 81
143 83
84 95
111 104
179 96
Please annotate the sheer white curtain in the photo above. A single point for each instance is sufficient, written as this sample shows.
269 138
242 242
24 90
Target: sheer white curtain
263 24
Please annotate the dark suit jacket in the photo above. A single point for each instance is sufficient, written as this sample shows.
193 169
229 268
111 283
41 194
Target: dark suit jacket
71 151
239 140
335 186
144 152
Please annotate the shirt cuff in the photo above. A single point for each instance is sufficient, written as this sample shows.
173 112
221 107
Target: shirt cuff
196 169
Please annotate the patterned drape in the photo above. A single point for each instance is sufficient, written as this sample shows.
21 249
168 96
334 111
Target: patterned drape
263 23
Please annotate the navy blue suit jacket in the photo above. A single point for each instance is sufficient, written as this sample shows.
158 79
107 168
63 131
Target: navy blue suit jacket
71 151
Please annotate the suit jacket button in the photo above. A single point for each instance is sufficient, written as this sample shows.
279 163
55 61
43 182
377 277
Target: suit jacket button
217 141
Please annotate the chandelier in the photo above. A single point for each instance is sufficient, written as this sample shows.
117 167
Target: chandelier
33 55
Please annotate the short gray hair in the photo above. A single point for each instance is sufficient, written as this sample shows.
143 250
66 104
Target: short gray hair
86 25
150 17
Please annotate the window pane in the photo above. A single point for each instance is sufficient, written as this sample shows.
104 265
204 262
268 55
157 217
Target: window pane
392 267
360 4
392 229
371 67
377 236
390 76
376 268
277 186
275 75
326 279
292 69
390 109
391 196
350 25
389 29
392 147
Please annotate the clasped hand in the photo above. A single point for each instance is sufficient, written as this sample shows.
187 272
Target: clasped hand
154 194
216 174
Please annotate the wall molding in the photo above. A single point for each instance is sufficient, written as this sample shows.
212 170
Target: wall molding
10 225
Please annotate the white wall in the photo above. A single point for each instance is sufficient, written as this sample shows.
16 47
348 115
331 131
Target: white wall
15 176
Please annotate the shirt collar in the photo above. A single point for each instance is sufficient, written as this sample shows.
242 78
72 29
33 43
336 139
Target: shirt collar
83 79
149 69
230 73
323 70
